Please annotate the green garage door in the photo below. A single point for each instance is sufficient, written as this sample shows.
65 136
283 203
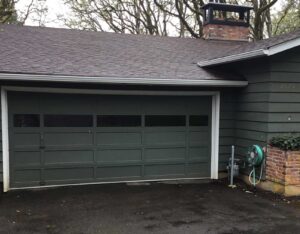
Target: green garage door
68 139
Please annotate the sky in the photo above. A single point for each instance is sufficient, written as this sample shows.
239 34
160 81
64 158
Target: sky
57 7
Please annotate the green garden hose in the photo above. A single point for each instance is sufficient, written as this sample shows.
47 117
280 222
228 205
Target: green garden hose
255 159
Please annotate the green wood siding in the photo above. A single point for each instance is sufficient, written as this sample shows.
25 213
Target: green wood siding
284 99
227 123
270 104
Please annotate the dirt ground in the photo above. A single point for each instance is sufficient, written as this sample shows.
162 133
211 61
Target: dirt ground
157 208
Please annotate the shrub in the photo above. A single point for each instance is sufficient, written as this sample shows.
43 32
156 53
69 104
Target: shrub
289 142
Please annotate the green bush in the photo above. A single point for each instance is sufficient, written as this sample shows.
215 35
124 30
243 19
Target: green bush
289 142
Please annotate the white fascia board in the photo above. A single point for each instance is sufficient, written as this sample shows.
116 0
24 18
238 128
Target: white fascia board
118 80
283 47
252 54
232 58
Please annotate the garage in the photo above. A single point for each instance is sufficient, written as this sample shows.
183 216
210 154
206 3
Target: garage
59 139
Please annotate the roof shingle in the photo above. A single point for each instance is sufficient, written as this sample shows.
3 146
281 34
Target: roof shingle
33 50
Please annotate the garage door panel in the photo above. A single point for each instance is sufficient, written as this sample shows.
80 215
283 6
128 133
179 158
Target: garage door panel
119 172
65 174
165 137
119 156
119 138
164 170
199 138
199 170
68 156
24 102
115 105
66 104
204 104
68 138
27 175
26 140
27 158
199 153
166 105
167 154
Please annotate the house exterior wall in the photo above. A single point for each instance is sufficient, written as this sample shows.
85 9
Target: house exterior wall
284 93
251 115
268 106
227 124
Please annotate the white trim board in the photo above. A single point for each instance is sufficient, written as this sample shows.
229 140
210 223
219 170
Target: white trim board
122 80
252 54
5 140
111 182
5 131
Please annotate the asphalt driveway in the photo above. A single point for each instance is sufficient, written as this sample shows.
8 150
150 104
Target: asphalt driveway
159 208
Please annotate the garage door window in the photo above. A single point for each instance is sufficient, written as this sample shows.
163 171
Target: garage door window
119 121
68 120
26 120
198 120
164 120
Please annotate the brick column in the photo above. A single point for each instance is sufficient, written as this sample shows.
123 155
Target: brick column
292 168
283 166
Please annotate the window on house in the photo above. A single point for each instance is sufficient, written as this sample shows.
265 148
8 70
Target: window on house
198 120
68 120
119 121
164 120
26 120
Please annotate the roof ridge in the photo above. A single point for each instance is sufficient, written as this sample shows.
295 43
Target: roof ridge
98 32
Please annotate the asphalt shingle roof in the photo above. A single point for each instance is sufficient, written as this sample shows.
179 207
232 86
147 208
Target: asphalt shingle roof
33 50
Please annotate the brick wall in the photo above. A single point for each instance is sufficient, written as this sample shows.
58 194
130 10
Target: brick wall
226 32
283 166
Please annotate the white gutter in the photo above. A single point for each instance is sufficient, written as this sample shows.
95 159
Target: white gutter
121 80
252 54
232 58
283 46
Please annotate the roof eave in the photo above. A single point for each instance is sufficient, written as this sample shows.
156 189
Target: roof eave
123 80
232 58
252 54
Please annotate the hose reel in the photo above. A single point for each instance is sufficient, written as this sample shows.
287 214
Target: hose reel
255 155
255 158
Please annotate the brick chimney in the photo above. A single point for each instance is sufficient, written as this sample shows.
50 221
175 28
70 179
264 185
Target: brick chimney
226 21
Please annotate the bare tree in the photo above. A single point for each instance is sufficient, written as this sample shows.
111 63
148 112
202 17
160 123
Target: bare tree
130 16
37 9
159 17
288 18
261 18
260 22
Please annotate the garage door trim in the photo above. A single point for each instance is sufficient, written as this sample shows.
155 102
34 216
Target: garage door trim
5 132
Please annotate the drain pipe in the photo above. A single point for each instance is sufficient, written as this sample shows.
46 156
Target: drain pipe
232 167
